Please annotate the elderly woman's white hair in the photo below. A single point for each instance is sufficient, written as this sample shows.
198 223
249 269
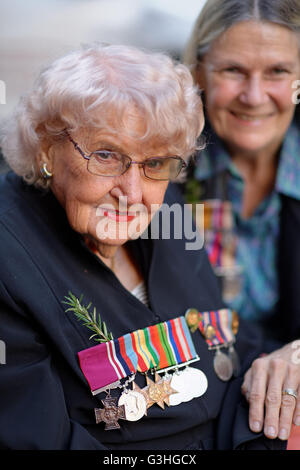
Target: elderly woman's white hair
88 86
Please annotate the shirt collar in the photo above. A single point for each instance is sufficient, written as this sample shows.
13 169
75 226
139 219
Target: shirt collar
214 159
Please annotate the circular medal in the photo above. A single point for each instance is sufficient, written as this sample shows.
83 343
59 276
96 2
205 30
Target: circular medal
188 388
235 322
180 384
196 380
235 361
210 332
192 319
223 366
134 403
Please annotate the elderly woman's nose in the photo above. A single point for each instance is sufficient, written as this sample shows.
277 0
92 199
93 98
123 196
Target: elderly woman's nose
254 92
130 185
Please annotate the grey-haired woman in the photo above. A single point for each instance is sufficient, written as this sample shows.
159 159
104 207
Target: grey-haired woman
244 55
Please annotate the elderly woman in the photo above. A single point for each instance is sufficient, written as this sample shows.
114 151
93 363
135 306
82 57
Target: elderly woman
93 148
244 54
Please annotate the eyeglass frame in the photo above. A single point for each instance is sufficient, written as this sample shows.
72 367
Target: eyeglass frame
88 157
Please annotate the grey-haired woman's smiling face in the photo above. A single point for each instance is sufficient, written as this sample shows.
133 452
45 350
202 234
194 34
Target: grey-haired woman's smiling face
247 77
110 210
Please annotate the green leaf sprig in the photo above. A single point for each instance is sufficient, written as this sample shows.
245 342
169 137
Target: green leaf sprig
90 320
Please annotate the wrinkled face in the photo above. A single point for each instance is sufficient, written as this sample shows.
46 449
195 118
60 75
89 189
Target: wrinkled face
110 210
247 78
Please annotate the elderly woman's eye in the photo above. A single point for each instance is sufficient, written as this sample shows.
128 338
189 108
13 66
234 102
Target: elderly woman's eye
106 156
155 164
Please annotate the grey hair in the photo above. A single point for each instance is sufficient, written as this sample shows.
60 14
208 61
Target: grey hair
87 87
217 16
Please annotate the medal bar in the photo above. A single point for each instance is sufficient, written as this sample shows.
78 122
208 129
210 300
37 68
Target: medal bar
116 384
219 328
158 349
176 367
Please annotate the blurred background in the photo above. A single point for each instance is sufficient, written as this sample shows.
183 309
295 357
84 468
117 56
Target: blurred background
34 32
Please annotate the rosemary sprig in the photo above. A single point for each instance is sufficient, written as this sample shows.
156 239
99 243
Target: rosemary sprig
90 320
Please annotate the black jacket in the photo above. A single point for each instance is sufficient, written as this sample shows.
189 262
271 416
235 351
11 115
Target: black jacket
288 312
45 399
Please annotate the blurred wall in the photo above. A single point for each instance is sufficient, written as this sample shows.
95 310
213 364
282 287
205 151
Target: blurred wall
34 32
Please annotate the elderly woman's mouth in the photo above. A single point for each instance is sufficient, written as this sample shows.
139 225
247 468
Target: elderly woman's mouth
116 215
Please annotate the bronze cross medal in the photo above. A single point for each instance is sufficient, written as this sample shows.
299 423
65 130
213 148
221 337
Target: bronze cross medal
110 414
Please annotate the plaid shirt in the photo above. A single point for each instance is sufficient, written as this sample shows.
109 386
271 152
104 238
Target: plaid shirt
257 237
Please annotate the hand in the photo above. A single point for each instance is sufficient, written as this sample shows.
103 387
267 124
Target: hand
263 384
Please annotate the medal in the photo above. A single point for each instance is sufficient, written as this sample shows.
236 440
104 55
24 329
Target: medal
192 319
134 403
179 384
110 414
234 360
190 383
234 322
196 380
158 392
222 366
142 392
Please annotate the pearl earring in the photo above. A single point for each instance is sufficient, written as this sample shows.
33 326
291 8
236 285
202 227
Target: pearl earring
46 174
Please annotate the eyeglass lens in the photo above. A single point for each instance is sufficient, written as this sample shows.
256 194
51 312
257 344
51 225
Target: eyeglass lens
106 163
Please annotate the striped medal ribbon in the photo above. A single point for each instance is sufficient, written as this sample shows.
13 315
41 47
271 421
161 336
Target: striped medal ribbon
216 327
159 347
215 222
106 364
163 346
221 244
217 215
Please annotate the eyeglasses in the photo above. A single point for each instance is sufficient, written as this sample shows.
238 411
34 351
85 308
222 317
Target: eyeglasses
111 163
